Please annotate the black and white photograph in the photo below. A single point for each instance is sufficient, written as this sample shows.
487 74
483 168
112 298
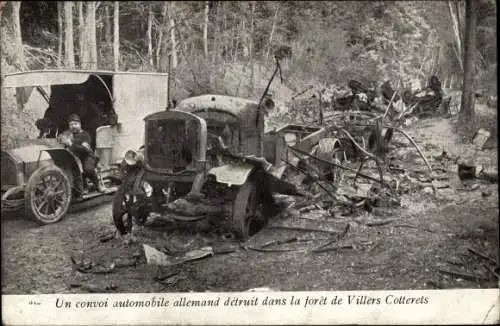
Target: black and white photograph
248 146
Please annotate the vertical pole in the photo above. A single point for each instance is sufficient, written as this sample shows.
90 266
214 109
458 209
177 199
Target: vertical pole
169 105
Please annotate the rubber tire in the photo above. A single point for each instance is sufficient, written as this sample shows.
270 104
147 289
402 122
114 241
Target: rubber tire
118 211
240 224
29 194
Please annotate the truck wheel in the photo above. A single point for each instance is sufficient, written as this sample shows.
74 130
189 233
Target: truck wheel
48 195
245 219
121 215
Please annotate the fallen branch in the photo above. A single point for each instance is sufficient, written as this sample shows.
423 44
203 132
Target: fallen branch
491 270
279 242
413 227
224 251
389 105
332 248
272 250
309 208
291 228
407 112
309 218
379 223
162 277
298 94
480 254
416 146
465 276
370 155
337 238
107 237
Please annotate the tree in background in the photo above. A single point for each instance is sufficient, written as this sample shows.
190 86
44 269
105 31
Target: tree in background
12 49
68 35
467 116
60 33
116 36
214 42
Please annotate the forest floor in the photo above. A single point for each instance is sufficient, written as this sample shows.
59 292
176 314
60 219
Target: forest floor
424 244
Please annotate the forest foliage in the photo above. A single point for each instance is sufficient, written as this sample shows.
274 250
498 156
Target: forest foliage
331 41
227 46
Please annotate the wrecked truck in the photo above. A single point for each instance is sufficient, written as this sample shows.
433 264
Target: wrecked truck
208 156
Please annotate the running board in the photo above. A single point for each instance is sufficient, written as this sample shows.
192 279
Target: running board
94 194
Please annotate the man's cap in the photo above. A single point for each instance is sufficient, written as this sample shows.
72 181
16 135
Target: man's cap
74 117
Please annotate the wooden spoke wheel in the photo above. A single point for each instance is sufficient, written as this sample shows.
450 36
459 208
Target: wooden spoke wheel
48 195
246 213
122 218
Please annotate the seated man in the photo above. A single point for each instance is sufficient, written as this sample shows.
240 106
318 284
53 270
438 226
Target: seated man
78 141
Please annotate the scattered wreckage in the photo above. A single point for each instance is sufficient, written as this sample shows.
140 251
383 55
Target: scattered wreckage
44 176
397 104
209 157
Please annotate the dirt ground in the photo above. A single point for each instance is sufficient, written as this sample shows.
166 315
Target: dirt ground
415 246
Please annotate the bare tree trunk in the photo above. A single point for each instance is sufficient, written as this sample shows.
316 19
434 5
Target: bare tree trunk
467 116
225 48
160 36
82 37
92 36
116 36
205 30
174 42
172 36
18 39
251 36
107 25
238 41
69 47
459 24
456 29
273 28
149 34
60 33
217 36
2 6
251 50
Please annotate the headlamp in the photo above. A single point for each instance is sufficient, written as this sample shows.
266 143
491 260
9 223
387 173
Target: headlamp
148 189
131 157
